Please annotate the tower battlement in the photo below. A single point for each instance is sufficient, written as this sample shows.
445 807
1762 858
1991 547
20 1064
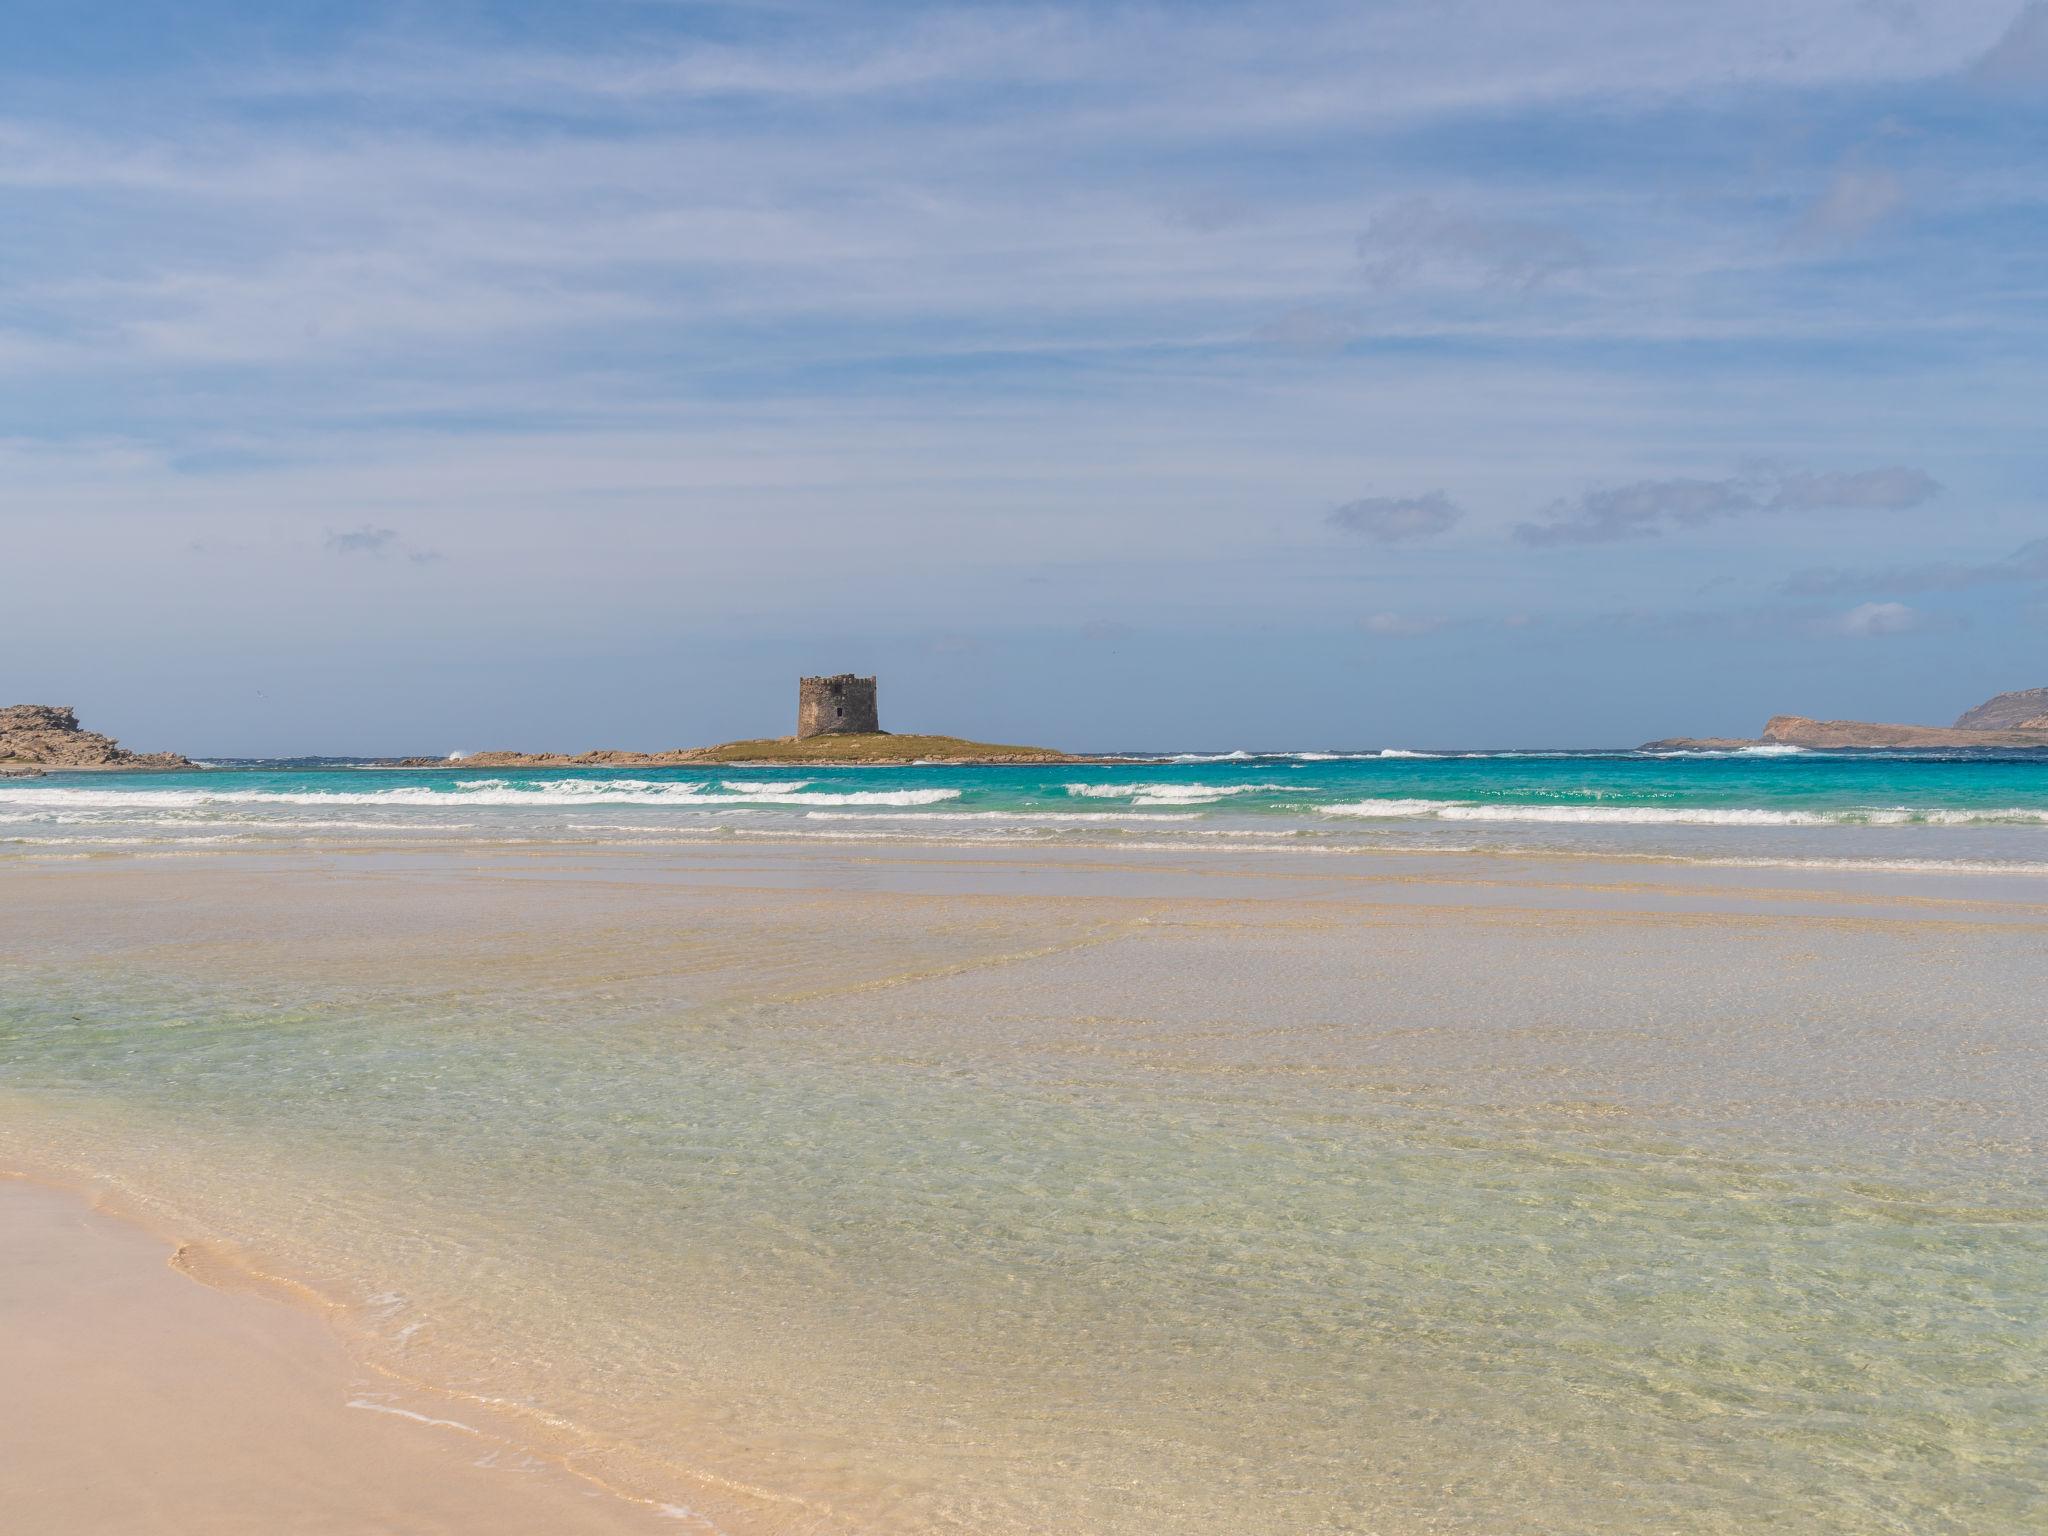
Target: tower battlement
842 705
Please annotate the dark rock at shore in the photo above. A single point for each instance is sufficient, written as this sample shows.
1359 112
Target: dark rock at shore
49 736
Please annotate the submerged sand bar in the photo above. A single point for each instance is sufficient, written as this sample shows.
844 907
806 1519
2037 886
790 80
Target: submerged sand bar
874 1188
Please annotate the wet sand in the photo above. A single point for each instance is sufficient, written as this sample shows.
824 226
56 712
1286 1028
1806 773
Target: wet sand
138 1400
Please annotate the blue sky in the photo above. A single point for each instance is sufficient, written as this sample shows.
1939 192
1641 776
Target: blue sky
1481 372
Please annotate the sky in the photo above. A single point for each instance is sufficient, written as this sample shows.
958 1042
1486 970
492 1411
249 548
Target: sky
435 377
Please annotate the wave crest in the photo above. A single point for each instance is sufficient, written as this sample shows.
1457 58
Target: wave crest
1689 816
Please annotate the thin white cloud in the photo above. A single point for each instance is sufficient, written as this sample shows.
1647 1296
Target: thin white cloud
2027 564
1160 68
1856 201
1399 624
1870 620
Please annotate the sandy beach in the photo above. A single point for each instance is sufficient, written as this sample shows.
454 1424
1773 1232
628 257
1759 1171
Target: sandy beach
902 1188
140 1399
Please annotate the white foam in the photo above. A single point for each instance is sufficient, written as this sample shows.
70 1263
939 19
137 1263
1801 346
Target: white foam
1377 808
1169 794
1688 816
851 797
419 1418
468 793
1021 818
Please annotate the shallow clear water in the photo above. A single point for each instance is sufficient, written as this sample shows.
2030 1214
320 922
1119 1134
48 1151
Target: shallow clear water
1210 1205
1767 804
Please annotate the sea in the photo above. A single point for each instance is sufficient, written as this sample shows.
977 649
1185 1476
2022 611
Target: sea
1969 810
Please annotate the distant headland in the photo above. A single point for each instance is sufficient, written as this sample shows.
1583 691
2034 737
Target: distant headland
880 750
2018 719
837 721
34 737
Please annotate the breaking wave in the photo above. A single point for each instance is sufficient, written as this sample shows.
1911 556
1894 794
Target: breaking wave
1777 803
1051 818
1689 816
1169 794
479 792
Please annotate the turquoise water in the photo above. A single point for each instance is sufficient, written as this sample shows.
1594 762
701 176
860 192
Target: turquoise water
1762 804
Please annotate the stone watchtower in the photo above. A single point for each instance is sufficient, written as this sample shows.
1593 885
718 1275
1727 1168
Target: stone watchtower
836 705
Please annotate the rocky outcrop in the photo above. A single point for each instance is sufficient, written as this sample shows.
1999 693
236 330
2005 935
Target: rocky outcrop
2010 720
2025 710
1799 731
49 736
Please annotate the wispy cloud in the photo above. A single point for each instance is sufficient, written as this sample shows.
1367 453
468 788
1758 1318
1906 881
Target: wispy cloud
1648 509
1399 624
1310 328
1894 488
1397 519
1488 55
1419 239
2028 563
2020 56
362 541
376 543
1868 621
1856 201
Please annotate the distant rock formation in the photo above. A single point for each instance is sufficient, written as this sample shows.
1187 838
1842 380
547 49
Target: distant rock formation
1799 731
48 736
2010 720
2022 711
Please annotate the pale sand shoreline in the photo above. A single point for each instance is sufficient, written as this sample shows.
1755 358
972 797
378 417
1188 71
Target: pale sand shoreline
139 1400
